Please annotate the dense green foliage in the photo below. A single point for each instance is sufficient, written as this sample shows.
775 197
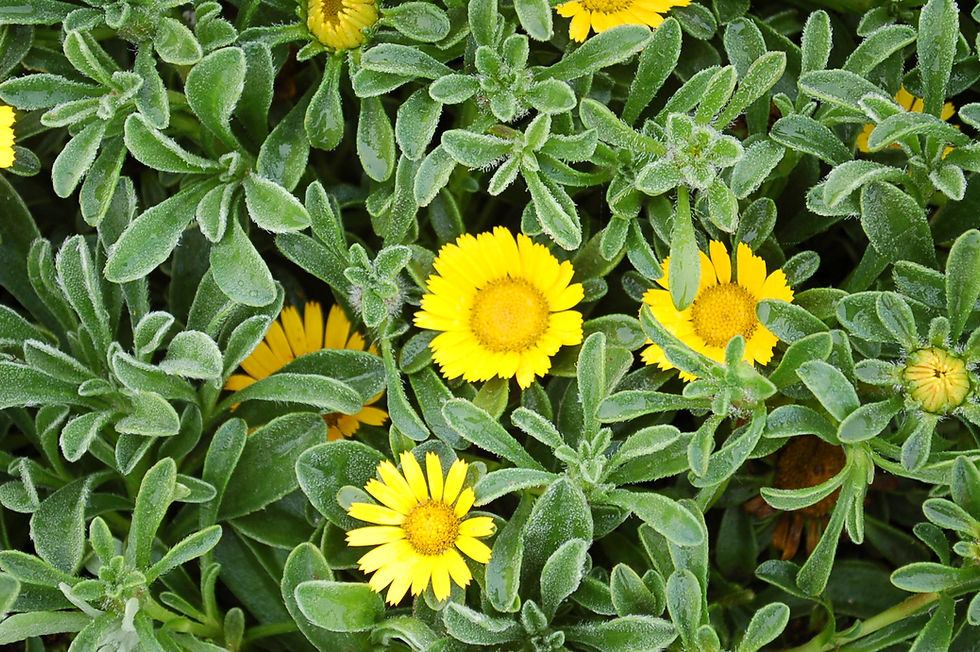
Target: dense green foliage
185 169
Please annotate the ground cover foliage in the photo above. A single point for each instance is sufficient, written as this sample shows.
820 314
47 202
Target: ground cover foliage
704 381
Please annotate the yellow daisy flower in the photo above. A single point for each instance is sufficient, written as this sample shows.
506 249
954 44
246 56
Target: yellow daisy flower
503 306
6 136
723 308
912 104
289 338
600 15
338 23
419 532
937 380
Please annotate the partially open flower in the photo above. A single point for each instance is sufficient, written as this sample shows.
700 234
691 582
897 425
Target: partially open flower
936 379
339 23
803 462
6 136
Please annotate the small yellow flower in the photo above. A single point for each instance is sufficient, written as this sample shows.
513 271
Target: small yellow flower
723 308
600 15
289 338
419 532
338 23
937 380
912 104
503 306
6 136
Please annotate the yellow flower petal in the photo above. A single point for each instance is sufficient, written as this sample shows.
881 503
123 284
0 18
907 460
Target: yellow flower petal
413 473
433 469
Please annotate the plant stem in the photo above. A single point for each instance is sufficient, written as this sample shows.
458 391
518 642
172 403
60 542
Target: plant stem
890 616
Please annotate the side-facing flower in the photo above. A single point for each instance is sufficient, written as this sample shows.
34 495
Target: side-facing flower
600 15
6 136
503 306
290 337
723 308
912 104
339 23
419 528
936 379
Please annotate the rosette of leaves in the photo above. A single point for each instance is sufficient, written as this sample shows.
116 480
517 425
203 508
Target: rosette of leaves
938 585
114 600
892 190
928 309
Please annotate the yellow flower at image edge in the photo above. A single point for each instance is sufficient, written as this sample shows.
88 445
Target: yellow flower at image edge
6 136
292 336
419 531
937 380
723 308
338 23
912 104
600 15
503 306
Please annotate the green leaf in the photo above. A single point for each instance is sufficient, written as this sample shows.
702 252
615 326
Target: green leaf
475 150
896 315
535 17
657 61
767 623
936 47
558 218
420 21
830 386
902 125
602 50
806 135
193 354
503 574
151 416
626 634
630 595
81 285
324 469
150 238
324 121
155 495
416 123
469 626
504 481
816 43
926 577
188 548
20 627
283 156
938 631
950 516
213 88
255 483
375 140
152 147
79 433
76 158
662 514
322 392
175 43
58 526
838 87
478 427
560 514
794 499
896 225
760 77
760 159
877 47
685 261
722 206
850 176
962 281
272 207
239 270
340 606
482 15
562 574
403 60
23 386
684 603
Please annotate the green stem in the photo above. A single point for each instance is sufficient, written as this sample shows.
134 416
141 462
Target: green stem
272 629
177 622
914 605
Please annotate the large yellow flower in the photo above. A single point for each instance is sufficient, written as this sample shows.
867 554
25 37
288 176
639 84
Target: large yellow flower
290 337
723 308
338 23
912 104
600 15
419 532
6 136
503 306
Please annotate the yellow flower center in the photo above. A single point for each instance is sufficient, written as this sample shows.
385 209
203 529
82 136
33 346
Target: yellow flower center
508 315
331 8
937 379
431 528
720 312
606 6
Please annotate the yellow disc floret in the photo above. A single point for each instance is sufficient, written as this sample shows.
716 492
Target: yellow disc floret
339 23
937 380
